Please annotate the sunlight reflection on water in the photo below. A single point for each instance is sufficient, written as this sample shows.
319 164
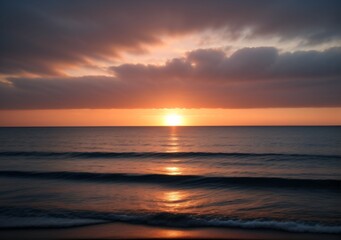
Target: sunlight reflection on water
173 170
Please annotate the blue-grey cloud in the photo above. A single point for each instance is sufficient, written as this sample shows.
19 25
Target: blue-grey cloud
41 36
247 64
206 78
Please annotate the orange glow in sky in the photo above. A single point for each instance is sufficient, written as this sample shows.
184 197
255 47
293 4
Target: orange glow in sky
157 117
169 65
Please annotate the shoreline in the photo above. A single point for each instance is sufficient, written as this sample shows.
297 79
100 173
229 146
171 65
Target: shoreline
134 231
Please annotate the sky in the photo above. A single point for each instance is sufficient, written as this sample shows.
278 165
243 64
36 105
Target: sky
133 62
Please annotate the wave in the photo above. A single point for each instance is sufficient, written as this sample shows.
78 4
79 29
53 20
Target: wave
182 180
45 222
154 154
59 218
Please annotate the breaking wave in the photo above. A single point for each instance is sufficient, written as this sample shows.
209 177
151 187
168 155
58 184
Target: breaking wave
59 218
181 180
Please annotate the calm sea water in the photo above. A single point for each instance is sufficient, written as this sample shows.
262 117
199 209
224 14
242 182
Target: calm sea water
283 178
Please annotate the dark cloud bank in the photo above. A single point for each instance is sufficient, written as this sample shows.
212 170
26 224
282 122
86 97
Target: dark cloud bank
205 78
41 36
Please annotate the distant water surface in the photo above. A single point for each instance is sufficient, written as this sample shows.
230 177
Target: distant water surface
282 178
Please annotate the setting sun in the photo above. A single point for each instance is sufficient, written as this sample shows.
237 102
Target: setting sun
170 119
173 120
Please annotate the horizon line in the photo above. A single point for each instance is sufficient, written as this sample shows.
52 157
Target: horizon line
104 126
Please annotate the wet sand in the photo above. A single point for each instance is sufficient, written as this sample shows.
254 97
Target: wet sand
131 231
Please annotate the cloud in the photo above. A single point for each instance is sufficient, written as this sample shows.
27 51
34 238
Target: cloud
247 64
42 37
206 78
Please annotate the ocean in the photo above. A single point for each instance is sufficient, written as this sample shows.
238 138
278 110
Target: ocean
279 178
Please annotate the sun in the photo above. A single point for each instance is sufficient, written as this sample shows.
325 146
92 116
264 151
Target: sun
173 120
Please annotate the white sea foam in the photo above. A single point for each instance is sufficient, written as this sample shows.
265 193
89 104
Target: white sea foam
166 220
289 226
